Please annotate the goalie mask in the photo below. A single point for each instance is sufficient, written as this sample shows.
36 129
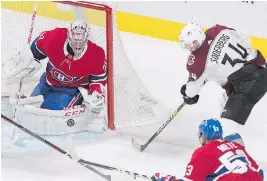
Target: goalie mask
78 33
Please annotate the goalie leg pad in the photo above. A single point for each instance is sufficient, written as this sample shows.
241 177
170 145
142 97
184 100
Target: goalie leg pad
54 122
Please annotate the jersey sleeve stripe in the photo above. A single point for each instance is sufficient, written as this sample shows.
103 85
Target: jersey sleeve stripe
37 53
49 65
98 78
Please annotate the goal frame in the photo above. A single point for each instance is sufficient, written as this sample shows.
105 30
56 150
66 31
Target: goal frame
109 54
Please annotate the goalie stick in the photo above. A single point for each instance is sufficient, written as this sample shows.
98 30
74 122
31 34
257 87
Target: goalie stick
21 80
141 147
73 155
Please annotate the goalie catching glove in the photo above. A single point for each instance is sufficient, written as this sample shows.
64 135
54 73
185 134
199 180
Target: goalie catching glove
21 65
94 98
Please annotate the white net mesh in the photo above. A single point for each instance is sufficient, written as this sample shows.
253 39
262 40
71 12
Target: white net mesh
133 104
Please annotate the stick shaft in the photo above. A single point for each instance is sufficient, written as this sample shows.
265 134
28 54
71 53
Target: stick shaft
32 22
115 169
21 80
143 147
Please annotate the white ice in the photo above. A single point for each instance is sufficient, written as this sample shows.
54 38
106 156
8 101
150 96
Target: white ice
161 66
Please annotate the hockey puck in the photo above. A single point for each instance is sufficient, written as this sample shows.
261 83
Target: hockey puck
70 122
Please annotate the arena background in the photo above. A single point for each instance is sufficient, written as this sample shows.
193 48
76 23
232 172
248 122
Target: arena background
165 20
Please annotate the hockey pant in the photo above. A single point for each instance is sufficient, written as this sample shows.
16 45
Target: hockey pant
248 86
55 97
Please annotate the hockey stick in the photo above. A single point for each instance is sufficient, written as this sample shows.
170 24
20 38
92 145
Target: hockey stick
80 161
143 147
21 80
135 175
74 154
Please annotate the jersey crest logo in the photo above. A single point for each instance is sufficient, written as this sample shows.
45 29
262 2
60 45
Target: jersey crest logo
61 76
191 59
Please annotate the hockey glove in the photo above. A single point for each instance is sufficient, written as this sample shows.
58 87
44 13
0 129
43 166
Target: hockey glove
188 100
93 99
21 65
96 102
163 177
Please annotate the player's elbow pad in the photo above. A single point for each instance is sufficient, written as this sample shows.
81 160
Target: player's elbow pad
37 53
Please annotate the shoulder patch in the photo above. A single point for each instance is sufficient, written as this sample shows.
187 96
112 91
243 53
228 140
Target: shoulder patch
193 76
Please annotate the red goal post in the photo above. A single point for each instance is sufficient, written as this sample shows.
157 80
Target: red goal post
109 52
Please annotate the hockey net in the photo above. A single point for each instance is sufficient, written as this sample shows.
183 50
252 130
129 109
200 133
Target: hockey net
128 101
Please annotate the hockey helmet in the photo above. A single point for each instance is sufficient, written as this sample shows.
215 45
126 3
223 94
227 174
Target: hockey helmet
78 33
209 129
192 37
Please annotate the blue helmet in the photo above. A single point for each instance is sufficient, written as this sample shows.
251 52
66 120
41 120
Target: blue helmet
210 129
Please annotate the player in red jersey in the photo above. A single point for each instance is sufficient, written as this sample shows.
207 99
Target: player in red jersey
74 62
224 56
75 76
76 68
217 159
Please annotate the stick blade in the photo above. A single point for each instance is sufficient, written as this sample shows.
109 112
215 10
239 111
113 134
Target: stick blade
137 146
71 148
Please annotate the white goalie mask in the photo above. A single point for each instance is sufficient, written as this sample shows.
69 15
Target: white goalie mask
192 37
78 33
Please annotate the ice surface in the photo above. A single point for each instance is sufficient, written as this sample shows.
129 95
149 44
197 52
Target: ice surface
161 66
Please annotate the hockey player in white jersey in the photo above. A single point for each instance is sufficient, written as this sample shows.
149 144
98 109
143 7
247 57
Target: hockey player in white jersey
224 55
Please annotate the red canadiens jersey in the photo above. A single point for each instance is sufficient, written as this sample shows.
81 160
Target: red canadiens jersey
62 67
221 54
222 161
